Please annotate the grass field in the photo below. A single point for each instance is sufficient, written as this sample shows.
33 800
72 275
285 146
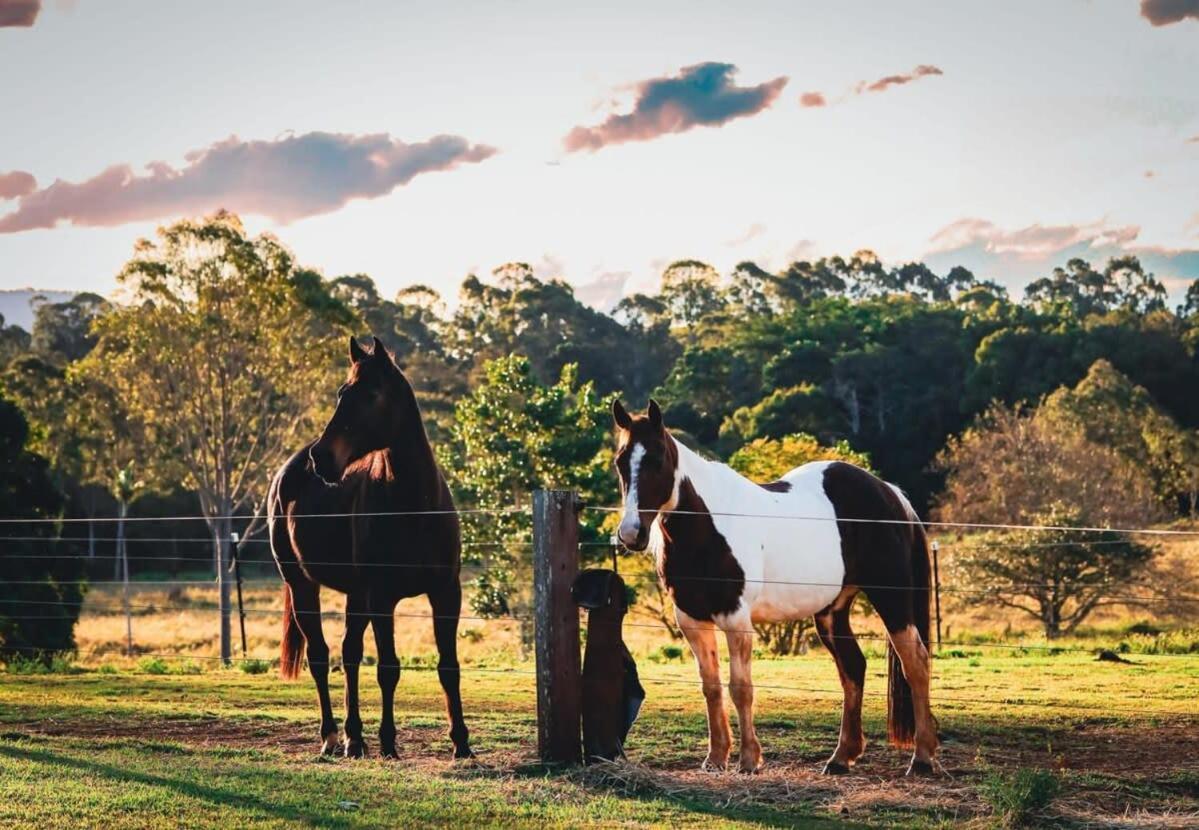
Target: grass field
220 748
170 738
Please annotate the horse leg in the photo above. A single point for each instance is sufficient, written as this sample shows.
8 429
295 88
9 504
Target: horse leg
832 625
351 659
306 606
383 624
701 637
913 655
446 606
741 690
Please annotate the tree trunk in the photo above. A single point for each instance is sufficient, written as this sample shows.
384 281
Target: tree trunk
123 563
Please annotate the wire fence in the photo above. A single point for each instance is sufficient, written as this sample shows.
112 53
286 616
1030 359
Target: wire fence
1014 698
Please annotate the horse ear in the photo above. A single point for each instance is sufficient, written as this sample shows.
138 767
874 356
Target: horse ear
380 350
620 416
655 414
356 352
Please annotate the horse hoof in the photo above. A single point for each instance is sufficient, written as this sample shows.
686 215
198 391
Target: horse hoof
330 745
355 749
835 768
388 752
713 765
920 768
461 752
752 768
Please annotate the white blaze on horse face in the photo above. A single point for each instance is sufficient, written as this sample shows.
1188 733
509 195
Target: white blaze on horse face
630 521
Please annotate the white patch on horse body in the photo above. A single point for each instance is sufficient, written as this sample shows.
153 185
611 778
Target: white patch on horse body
793 566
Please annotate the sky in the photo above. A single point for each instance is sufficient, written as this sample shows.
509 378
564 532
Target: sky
421 142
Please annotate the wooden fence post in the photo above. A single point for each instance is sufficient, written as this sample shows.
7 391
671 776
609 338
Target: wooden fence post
559 673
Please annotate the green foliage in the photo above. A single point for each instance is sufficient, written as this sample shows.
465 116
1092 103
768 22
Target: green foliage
767 459
203 365
1020 796
153 665
41 580
513 435
1114 412
1027 468
252 666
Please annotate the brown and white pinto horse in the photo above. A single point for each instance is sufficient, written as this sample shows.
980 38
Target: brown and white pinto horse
332 514
729 558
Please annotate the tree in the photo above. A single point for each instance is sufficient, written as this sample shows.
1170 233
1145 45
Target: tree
768 459
1025 468
513 435
691 291
1122 284
41 585
62 332
223 363
1116 413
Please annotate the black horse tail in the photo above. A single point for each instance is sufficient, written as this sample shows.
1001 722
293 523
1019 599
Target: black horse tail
290 656
901 714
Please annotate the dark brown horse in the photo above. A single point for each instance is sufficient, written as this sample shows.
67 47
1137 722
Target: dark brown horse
365 511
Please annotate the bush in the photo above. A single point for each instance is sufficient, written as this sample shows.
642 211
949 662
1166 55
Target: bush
253 666
50 663
153 665
1019 796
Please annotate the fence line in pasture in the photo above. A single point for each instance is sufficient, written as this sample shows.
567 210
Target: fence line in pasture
1016 698
964 644
979 591
465 511
1149 531
1152 531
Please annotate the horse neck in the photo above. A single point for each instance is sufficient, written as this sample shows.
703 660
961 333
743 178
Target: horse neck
711 480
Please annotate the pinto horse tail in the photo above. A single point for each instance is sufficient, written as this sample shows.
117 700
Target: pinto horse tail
291 648
901 713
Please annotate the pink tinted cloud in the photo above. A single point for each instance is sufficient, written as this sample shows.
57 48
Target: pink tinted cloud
813 99
1034 242
16 184
700 95
287 179
882 84
1166 12
19 13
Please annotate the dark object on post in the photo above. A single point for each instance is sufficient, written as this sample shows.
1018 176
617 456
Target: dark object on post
612 694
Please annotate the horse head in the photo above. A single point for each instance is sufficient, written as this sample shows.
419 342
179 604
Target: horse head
647 461
373 406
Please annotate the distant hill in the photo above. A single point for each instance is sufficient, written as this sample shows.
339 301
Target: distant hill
15 304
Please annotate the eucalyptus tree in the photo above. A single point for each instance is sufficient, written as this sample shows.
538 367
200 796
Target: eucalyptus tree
223 360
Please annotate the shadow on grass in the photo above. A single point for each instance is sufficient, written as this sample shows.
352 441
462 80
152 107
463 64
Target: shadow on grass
214 795
800 815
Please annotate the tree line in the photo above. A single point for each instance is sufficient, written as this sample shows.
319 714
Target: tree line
223 355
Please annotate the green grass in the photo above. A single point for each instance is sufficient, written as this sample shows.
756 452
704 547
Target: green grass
225 748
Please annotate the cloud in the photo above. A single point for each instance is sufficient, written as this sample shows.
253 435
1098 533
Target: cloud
20 13
16 184
883 84
286 179
604 291
1032 243
1165 12
753 232
700 95
818 99
1014 257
